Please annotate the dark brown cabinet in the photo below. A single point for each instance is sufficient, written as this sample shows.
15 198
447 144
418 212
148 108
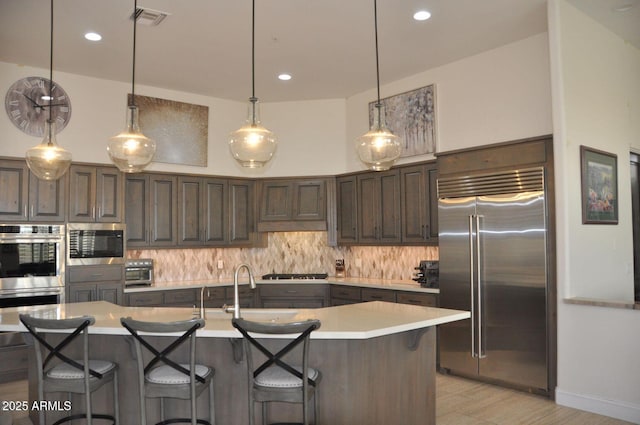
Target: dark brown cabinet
417 298
202 211
95 283
241 213
24 197
347 210
342 295
151 210
379 207
419 204
95 194
289 205
291 295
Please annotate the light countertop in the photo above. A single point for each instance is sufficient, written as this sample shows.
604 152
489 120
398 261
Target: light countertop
399 285
355 321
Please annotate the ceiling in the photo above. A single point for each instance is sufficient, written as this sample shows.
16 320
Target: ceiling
204 46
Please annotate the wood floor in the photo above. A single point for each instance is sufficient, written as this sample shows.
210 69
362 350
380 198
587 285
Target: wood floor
459 402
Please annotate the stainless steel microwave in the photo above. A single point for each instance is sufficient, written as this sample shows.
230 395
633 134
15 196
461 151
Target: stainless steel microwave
96 243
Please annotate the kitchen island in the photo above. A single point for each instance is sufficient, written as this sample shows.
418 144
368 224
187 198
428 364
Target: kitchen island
377 359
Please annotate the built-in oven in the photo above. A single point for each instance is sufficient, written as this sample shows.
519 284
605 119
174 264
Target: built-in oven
31 264
95 243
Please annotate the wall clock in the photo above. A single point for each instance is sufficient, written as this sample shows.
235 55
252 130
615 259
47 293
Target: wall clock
29 111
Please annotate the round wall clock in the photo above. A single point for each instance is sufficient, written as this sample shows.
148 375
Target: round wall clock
28 106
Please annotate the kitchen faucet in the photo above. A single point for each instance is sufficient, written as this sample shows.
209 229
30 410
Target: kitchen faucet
236 299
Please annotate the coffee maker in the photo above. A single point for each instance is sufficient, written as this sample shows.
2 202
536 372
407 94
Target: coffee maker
427 274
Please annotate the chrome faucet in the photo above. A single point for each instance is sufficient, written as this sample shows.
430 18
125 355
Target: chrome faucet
236 299
202 314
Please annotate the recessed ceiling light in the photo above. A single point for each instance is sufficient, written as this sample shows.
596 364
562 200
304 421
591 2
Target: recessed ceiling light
421 15
623 7
284 77
93 36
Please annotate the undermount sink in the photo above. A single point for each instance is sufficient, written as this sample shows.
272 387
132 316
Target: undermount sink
255 314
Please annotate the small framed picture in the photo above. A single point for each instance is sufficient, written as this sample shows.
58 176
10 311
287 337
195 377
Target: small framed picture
599 178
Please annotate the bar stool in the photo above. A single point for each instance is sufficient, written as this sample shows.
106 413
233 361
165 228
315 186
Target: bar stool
275 379
79 376
185 381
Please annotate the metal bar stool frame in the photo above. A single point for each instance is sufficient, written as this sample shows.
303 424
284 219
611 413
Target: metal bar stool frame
91 379
190 390
304 388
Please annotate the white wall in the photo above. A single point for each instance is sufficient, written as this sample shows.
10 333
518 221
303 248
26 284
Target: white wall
496 96
310 133
596 102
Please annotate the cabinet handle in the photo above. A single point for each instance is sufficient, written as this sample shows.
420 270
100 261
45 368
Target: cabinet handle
291 291
25 211
93 212
426 231
31 215
376 297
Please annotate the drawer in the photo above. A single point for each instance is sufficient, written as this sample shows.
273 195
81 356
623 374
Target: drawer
293 290
181 296
369 294
244 291
346 292
415 298
141 299
81 274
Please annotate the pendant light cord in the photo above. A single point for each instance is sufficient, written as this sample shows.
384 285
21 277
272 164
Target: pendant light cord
133 67
51 68
253 49
375 21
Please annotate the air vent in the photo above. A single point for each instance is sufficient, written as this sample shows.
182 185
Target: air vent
512 181
149 17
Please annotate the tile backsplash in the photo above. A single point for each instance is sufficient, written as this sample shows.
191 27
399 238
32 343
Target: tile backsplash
287 252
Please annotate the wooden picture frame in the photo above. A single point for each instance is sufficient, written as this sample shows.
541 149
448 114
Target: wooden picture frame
599 184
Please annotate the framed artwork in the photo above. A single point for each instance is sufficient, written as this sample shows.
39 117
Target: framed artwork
180 130
412 117
599 181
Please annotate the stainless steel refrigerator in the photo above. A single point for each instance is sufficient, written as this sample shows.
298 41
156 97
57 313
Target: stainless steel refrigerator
493 262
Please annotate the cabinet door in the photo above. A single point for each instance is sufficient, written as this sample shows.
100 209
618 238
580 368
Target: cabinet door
14 190
81 292
215 211
110 292
163 212
414 204
82 193
389 218
368 208
47 199
276 200
241 194
108 195
432 174
136 210
309 201
347 210
190 210
145 299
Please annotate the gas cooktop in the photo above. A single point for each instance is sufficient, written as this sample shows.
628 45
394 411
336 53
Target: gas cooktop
285 276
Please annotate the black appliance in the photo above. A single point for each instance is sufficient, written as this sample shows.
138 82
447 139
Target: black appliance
291 276
427 274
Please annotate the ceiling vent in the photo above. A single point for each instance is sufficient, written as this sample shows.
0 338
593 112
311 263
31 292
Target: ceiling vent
149 17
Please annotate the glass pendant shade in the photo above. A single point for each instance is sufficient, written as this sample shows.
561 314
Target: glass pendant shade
252 145
131 151
378 148
48 161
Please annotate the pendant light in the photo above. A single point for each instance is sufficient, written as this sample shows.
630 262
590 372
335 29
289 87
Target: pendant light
378 148
252 145
48 161
131 151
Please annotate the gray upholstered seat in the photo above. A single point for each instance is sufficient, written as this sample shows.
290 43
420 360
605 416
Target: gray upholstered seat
78 376
161 377
276 380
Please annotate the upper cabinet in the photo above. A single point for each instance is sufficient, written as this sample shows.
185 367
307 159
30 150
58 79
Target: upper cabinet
215 211
419 203
395 207
24 197
95 194
151 210
379 207
290 205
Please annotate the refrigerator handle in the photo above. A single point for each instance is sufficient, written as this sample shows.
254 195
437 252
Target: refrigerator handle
481 351
471 269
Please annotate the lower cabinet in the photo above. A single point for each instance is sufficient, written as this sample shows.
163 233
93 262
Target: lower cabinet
290 295
188 297
95 283
417 298
341 295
